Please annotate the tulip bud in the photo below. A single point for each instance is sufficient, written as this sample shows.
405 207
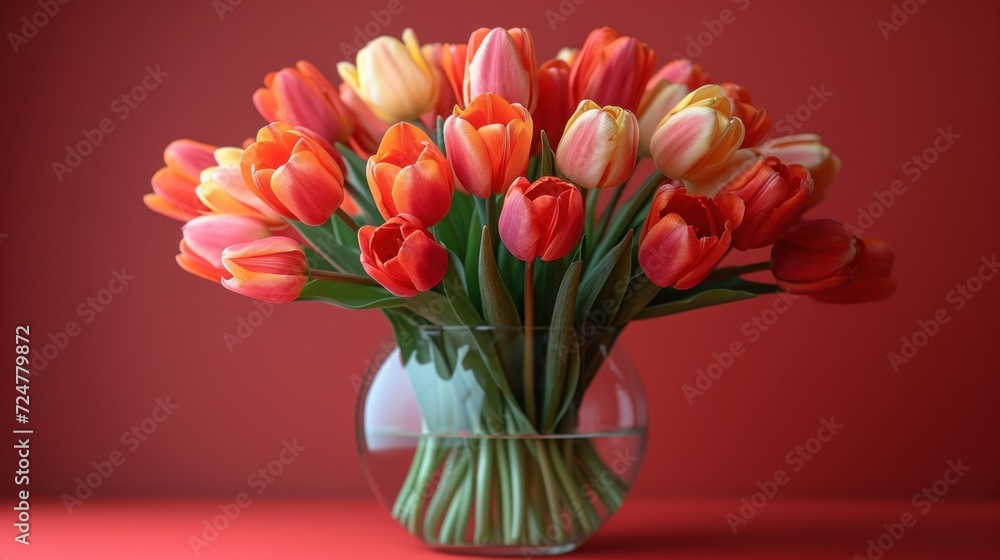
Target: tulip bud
554 109
660 98
393 78
599 146
273 269
871 282
756 123
434 53
293 174
611 70
489 143
402 256
696 135
683 71
410 175
205 238
542 219
223 191
502 61
686 235
805 150
368 128
816 256
303 97
174 185
774 196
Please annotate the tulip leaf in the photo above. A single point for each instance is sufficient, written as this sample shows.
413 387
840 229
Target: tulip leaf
641 290
631 215
407 335
706 298
604 286
562 360
357 184
440 135
547 165
348 295
499 308
323 240
471 260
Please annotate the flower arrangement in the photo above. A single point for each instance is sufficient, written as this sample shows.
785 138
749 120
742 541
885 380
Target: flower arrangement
464 185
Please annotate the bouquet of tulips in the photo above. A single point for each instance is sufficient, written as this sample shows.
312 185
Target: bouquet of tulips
465 185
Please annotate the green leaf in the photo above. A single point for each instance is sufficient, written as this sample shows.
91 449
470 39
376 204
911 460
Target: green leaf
323 240
348 295
498 306
641 290
630 214
440 135
357 184
604 286
407 334
562 367
698 300
454 290
471 262
547 164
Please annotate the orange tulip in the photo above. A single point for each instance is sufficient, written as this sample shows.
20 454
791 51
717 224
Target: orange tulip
872 281
542 219
599 146
410 175
553 109
272 269
774 195
816 256
489 143
174 185
698 134
683 71
755 120
205 237
223 191
303 97
368 127
453 59
402 256
293 174
686 235
805 150
611 70
447 98
502 61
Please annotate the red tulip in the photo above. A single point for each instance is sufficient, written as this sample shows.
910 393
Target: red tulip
756 123
872 281
489 143
686 235
775 196
410 175
611 70
554 108
205 238
272 269
174 185
303 97
542 219
816 256
402 256
807 151
294 174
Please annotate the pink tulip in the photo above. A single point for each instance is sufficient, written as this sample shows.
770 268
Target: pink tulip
599 146
805 150
303 97
273 269
502 61
174 185
206 237
683 71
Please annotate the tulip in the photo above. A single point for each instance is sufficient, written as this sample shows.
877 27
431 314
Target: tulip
871 282
368 127
402 256
303 97
489 143
393 78
774 196
599 146
293 174
816 256
174 185
446 101
660 98
553 109
453 59
410 175
611 70
805 150
502 61
697 135
542 219
205 237
686 235
273 269
683 71
223 191
756 123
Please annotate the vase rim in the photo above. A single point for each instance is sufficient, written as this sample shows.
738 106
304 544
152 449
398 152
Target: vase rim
587 330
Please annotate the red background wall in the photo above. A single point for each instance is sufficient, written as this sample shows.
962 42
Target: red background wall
162 336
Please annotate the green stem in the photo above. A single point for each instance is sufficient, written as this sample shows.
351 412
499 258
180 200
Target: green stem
330 276
347 219
529 341
591 214
569 488
484 491
602 226
549 483
734 271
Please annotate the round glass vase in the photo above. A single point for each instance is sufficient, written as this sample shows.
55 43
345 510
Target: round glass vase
502 441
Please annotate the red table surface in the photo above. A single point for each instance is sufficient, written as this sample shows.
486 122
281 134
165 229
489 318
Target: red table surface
647 528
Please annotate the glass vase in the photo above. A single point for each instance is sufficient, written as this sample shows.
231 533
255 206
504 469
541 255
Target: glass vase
502 441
